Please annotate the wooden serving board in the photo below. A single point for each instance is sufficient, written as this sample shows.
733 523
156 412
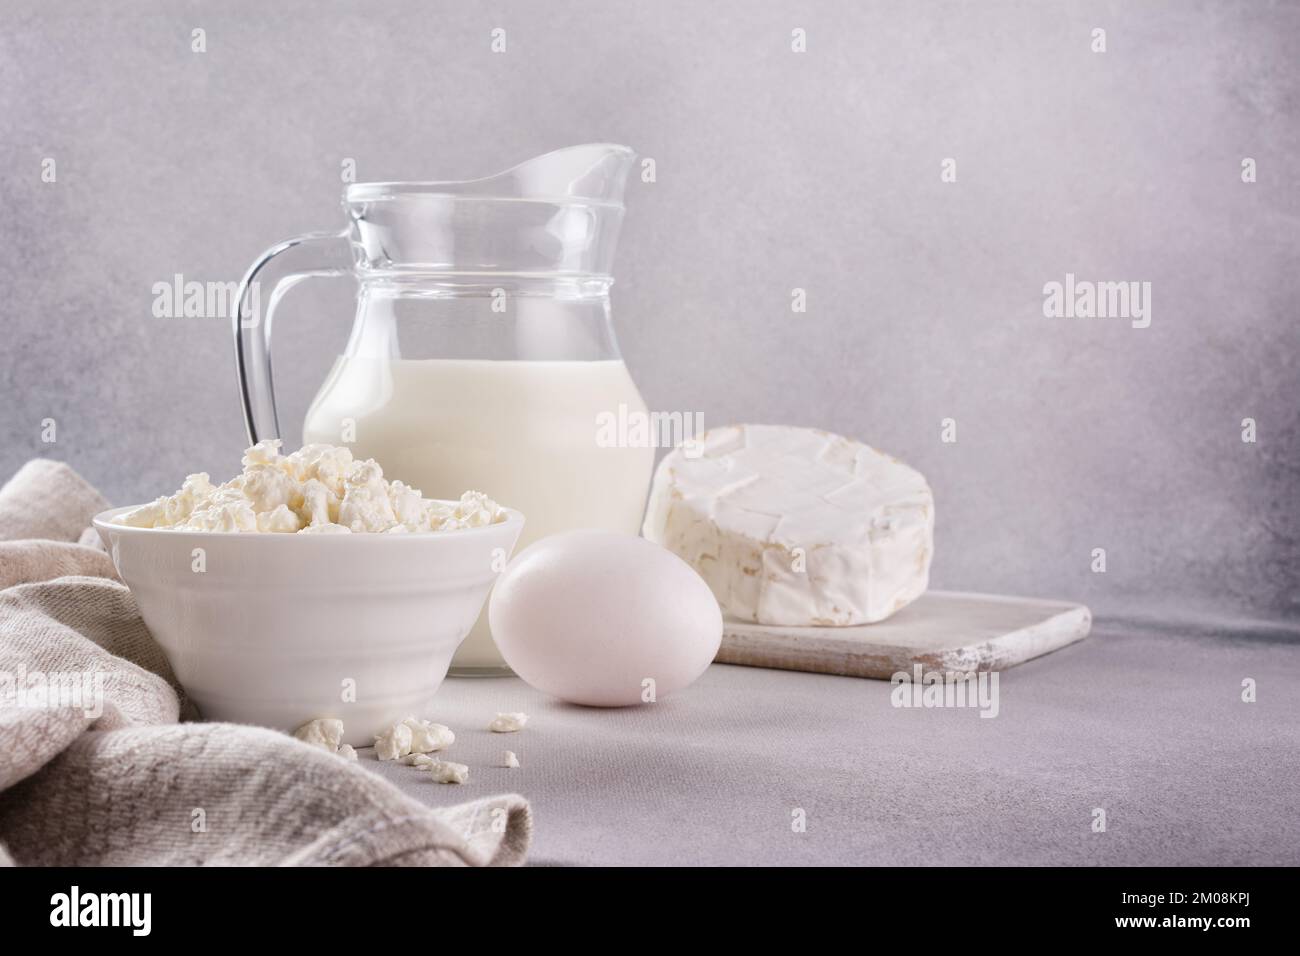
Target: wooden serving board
941 630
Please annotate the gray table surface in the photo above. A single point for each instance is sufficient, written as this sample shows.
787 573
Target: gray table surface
1148 726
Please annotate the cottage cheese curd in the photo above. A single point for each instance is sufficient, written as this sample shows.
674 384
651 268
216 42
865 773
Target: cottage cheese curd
508 723
410 737
319 489
448 771
327 734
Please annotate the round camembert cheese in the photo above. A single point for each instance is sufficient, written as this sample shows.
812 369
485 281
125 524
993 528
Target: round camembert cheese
794 526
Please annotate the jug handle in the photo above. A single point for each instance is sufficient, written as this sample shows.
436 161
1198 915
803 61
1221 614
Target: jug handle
279 269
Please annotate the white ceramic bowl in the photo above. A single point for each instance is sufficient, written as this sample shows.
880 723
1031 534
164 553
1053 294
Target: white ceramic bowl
275 626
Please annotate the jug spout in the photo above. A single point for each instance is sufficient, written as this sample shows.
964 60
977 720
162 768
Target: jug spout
557 214
594 172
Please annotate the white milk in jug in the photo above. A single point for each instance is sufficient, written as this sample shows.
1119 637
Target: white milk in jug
522 432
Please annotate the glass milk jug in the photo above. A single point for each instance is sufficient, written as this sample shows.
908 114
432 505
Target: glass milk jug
483 355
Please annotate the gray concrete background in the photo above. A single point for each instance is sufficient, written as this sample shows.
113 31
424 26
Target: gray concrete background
775 170
1148 726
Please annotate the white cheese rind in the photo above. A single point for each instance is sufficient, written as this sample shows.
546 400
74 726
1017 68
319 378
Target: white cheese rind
795 527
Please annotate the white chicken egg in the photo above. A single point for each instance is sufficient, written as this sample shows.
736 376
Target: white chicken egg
604 619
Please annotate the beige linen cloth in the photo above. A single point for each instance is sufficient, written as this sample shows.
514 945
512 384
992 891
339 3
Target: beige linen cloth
133 785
